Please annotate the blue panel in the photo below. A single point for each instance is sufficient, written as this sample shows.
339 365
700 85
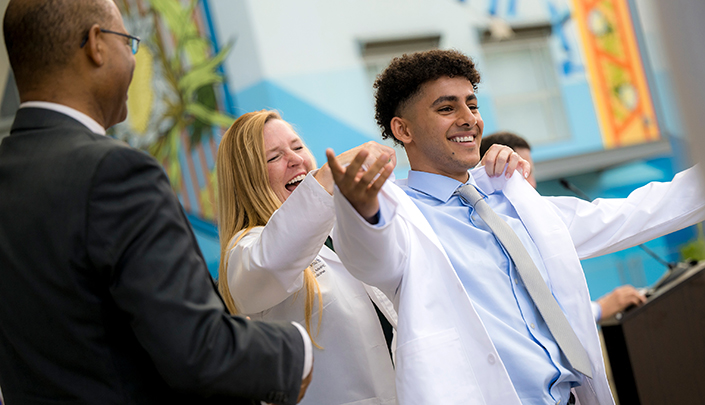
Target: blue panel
253 98
664 99
318 129
208 241
614 183
585 133
631 266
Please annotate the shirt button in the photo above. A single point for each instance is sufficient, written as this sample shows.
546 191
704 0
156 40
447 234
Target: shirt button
533 326
516 281
490 359
559 402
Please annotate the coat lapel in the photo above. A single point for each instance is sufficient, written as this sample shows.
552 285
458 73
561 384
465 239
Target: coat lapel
562 264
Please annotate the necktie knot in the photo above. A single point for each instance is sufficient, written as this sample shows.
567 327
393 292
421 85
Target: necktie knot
469 194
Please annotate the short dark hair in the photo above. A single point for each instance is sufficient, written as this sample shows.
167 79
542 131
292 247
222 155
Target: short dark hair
405 75
506 138
42 35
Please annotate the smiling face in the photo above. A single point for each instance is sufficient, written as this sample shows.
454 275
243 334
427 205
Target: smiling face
288 159
441 128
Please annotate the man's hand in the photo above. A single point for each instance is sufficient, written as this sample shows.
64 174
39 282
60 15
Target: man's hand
499 156
619 299
360 186
304 385
375 150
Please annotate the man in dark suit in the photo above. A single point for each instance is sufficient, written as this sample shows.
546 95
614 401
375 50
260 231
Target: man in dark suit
104 295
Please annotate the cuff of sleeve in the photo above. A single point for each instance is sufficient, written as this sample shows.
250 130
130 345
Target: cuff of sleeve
386 210
596 310
308 350
314 189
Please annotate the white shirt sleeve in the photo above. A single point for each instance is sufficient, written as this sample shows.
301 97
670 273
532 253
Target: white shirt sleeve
308 350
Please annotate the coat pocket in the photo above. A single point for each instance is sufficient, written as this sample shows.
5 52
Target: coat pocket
435 369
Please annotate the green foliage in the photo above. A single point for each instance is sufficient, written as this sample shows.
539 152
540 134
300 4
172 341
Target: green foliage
695 249
191 73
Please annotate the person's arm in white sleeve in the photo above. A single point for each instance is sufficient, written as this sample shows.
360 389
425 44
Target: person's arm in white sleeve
373 253
656 209
266 266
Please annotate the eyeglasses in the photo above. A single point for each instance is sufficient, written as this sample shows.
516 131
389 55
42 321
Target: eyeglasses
134 41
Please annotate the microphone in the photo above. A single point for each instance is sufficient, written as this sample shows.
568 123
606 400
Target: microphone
572 187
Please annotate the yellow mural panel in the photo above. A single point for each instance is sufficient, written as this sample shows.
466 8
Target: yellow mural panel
174 106
616 73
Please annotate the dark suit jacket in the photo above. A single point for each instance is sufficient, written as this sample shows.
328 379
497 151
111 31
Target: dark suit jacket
104 295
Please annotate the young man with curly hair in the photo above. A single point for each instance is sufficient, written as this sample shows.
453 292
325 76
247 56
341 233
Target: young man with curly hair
469 329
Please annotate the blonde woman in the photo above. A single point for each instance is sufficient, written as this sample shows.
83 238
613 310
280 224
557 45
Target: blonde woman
275 213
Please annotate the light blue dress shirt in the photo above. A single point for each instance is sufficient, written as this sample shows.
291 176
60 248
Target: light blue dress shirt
539 371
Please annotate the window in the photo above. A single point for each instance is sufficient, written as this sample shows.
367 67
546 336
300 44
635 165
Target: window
521 76
377 54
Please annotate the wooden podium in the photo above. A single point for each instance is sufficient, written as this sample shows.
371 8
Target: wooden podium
657 351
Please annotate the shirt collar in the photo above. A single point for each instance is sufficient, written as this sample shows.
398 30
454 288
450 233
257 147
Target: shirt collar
435 185
87 121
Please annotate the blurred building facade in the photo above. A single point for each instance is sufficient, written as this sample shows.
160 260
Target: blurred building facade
584 81
316 60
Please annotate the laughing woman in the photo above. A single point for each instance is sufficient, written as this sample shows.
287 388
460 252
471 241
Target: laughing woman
275 213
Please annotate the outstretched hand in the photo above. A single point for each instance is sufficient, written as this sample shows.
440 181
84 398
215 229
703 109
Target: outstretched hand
498 156
374 149
360 185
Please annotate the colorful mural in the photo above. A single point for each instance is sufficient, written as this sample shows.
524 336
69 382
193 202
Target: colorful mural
617 79
174 101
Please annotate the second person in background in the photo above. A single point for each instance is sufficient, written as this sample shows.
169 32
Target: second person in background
275 214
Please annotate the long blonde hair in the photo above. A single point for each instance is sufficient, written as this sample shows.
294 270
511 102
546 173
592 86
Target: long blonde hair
246 200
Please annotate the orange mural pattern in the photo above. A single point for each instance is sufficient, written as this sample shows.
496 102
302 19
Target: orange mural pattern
615 69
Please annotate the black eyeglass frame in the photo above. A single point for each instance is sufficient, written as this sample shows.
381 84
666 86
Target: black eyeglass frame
134 43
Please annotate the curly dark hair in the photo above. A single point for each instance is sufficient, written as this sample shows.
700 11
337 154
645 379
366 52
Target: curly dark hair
404 76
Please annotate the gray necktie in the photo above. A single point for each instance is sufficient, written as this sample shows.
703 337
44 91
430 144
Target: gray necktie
538 290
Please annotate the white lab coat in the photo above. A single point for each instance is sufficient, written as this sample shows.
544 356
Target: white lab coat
265 274
444 354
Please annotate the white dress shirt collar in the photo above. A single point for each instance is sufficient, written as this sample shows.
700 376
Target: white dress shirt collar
89 122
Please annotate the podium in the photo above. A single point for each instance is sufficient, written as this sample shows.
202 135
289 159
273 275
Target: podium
657 351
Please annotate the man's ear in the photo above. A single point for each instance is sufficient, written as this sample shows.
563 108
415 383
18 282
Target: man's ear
400 129
94 47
